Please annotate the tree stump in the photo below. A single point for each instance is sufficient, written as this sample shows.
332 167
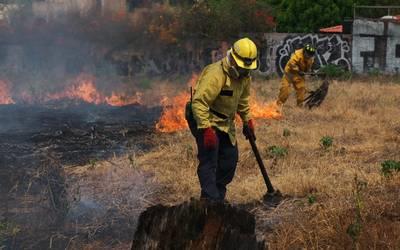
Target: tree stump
196 225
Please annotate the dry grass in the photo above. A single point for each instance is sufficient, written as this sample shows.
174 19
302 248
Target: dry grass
363 120
340 199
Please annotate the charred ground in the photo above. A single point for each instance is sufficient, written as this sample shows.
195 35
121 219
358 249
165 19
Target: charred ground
39 198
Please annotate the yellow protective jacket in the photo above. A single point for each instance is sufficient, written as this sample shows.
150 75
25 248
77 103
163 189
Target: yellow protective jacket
217 99
296 63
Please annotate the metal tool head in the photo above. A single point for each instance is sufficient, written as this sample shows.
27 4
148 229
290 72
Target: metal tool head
273 198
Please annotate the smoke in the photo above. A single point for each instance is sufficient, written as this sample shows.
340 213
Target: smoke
42 49
112 195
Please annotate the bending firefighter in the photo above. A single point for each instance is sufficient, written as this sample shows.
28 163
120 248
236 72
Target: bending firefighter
223 89
300 62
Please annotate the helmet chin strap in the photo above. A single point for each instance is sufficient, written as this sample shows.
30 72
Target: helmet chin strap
232 71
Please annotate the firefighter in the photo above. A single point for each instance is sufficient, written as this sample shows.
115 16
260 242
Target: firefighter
221 92
300 62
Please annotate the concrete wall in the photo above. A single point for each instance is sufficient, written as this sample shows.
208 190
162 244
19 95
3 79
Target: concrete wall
275 50
363 54
393 60
374 46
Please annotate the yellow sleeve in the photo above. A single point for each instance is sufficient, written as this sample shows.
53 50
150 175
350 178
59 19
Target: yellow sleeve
208 88
244 107
293 63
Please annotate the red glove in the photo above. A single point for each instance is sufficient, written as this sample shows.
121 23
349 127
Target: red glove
210 138
248 129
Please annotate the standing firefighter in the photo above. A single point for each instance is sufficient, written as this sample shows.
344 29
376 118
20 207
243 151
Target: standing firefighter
223 89
300 62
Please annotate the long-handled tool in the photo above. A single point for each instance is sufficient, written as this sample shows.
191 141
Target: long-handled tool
272 196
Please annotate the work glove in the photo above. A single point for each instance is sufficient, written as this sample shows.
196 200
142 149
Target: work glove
210 138
248 129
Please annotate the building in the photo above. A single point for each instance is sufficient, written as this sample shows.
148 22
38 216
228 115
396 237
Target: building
376 45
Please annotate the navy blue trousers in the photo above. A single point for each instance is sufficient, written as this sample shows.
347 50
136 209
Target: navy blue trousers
216 167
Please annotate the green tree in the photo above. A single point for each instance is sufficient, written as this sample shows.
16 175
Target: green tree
306 15
310 15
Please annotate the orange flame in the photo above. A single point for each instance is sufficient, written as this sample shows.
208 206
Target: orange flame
173 116
5 97
84 88
265 110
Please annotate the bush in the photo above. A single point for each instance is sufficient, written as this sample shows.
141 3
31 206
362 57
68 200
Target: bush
312 199
335 71
374 72
326 142
277 152
389 166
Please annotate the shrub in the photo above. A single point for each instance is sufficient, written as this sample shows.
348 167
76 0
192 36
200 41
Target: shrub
312 199
374 72
389 166
335 71
326 142
277 152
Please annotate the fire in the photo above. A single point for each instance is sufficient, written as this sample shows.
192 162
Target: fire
84 88
264 110
173 115
5 97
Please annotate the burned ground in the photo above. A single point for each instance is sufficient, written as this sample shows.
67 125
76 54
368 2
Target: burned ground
39 197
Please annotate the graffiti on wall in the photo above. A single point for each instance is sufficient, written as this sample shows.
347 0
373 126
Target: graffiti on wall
332 49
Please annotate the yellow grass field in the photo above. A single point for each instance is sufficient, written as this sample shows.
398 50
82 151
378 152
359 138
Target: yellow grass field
338 196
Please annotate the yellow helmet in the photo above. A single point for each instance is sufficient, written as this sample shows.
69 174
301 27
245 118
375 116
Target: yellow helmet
244 52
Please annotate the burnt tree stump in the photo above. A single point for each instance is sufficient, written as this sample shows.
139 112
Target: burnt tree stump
196 225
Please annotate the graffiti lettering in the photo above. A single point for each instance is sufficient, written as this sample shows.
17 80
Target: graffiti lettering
331 49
